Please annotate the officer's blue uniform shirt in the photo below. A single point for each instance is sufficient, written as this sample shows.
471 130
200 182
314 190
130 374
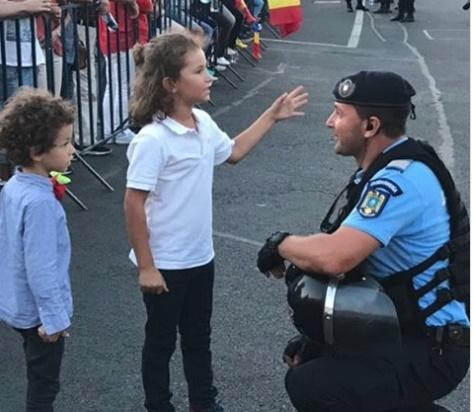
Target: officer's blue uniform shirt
404 208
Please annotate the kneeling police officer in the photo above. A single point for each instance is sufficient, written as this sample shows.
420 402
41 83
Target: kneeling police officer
400 221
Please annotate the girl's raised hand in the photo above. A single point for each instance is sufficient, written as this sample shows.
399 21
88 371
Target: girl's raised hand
287 105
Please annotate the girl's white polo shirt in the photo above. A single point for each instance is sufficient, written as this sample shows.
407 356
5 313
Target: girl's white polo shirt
175 164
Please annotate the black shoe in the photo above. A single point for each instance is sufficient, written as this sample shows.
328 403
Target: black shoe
99 151
408 19
350 9
362 8
466 6
397 18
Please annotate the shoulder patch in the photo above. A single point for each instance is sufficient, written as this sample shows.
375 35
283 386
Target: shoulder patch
400 164
386 185
373 203
377 195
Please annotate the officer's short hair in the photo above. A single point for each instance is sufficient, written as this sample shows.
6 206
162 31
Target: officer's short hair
385 95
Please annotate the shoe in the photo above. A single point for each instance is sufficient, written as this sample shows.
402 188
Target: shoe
466 6
397 18
219 68
240 44
222 61
98 151
362 8
124 137
408 19
350 9
231 52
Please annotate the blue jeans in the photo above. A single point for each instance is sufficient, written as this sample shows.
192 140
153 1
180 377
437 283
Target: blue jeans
187 307
12 83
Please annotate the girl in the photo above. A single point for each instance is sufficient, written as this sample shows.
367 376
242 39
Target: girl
168 208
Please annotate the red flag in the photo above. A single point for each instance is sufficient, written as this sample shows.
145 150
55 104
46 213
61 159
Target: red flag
286 15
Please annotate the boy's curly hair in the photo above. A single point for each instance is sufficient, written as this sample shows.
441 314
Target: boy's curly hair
31 120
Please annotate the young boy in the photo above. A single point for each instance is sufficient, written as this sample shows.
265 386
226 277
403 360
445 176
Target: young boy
35 296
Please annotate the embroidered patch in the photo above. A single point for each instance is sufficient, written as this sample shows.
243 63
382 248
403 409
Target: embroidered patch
373 202
386 185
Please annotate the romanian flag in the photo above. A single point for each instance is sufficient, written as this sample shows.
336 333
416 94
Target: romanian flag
286 15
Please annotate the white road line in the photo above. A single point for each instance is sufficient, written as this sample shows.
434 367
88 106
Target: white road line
446 149
302 43
427 34
356 30
249 95
374 29
238 238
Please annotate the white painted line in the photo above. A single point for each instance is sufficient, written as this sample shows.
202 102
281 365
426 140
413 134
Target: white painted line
326 2
427 34
446 150
238 238
249 95
356 30
374 29
302 43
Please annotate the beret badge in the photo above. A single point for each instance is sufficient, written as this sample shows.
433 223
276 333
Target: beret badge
346 88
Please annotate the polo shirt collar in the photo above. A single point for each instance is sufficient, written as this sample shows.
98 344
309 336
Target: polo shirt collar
178 128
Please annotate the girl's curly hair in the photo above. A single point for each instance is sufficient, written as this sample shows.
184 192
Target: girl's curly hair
31 120
163 56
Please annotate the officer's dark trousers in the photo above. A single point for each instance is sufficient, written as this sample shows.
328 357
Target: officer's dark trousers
187 306
403 380
43 363
406 7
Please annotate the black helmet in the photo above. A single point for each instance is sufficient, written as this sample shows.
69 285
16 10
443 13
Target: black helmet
341 312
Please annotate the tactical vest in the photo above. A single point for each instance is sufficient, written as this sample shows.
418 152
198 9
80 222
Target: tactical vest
399 286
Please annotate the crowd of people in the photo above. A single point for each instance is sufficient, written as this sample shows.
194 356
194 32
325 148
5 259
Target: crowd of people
81 50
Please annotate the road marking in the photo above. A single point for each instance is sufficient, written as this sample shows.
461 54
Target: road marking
374 29
326 2
303 43
427 34
238 238
447 143
249 95
356 30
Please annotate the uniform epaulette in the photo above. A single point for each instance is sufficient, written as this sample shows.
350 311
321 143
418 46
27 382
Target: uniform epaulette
399 164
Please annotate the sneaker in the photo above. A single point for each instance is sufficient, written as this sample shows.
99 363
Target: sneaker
220 68
99 151
124 137
222 61
240 44
231 52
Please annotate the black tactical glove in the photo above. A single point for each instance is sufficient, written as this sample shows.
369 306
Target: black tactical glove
299 350
268 257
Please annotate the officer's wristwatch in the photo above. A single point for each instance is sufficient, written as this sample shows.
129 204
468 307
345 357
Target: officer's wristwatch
275 239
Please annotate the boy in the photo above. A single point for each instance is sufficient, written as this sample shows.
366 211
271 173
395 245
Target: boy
35 297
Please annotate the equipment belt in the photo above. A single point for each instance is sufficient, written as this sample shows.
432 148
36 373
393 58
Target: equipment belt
455 335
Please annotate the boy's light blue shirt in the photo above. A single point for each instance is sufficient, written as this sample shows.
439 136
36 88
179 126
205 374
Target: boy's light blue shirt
35 253
408 216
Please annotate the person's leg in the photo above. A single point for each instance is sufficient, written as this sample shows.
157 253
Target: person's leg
349 6
195 330
225 22
43 363
410 10
239 19
163 312
257 7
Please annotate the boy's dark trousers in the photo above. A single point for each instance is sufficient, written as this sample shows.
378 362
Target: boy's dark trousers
43 363
188 307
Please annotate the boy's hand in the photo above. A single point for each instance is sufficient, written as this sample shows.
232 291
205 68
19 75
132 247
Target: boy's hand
38 6
152 281
51 338
287 105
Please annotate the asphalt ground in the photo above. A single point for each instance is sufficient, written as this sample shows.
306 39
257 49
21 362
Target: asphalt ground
288 182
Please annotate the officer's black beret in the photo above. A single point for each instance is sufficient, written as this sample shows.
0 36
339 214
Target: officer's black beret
374 88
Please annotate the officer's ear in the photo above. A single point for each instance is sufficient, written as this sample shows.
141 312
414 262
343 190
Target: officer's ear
372 125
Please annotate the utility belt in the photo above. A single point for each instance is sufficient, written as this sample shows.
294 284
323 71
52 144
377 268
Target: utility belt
444 336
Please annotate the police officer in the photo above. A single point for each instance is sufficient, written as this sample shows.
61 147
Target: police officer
359 6
403 223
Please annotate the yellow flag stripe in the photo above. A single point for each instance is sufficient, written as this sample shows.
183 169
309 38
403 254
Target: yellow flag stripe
278 4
